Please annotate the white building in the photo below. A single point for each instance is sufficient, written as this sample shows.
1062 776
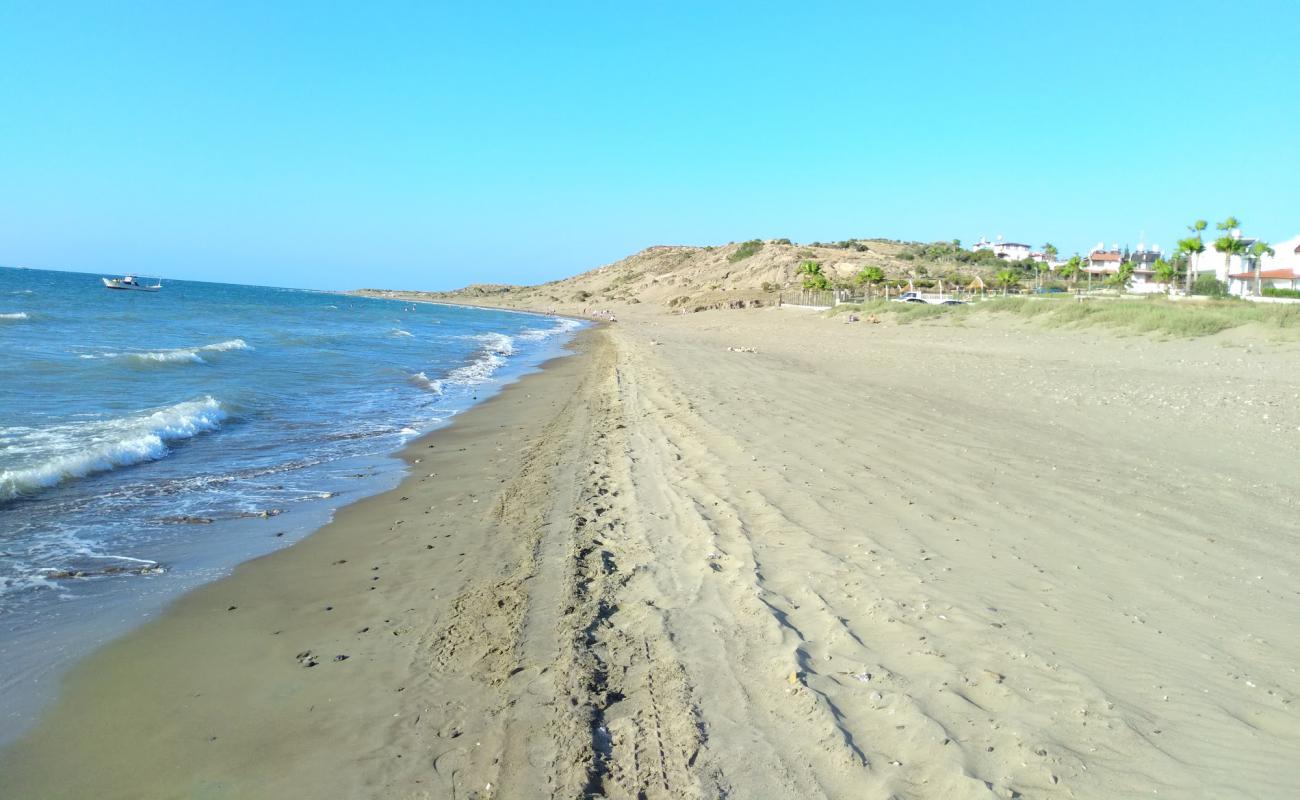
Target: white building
1144 261
1214 262
1007 251
1280 270
1286 255
1104 262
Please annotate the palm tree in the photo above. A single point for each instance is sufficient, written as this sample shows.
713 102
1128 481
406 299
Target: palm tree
1230 243
1070 269
1122 277
1165 273
812 276
1006 279
1196 228
1257 251
870 276
1191 249
1049 257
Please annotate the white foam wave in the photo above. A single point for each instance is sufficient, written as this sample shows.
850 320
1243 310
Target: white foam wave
497 343
538 334
229 344
180 355
169 356
427 383
14 316
491 357
400 332
78 450
478 371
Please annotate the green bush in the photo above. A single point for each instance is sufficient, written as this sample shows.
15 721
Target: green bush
871 275
1271 291
1209 286
745 250
782 241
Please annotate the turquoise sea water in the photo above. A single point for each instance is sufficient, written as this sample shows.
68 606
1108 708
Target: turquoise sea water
151 441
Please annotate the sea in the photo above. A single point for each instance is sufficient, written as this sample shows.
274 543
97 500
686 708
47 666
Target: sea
151 441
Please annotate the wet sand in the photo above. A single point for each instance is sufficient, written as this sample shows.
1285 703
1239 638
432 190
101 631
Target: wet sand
760 554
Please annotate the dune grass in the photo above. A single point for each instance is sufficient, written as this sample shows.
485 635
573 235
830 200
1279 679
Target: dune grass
1155 315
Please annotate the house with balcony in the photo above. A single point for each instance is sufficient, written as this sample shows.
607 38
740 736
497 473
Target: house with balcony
1104 262
1144 261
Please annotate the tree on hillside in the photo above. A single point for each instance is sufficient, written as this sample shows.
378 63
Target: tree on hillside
1193 251
1006 278
812 276
1257 251
1229 244
870 276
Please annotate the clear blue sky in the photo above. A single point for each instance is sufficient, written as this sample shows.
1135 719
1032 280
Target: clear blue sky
428 145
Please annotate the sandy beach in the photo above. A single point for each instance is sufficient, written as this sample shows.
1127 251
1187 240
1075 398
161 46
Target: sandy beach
760 553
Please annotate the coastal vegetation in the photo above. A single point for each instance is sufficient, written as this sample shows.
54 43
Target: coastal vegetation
745 250
870 276
1150 315
813 278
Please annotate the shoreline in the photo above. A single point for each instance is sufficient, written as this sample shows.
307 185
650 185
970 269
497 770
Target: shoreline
414 296
50 629
104 692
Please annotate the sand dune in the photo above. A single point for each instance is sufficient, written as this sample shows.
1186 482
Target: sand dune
860 561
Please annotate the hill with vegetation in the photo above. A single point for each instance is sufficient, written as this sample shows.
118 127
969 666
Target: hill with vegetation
736 274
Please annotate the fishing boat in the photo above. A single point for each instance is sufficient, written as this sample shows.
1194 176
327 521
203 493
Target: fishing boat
131 283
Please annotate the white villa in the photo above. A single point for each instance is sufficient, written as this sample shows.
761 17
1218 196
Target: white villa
1280 270
1144 270
1008 251
1213 262
1104 262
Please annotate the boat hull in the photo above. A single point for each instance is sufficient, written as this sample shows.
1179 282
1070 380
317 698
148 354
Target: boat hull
128 287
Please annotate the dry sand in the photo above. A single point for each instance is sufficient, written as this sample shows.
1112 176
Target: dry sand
860 561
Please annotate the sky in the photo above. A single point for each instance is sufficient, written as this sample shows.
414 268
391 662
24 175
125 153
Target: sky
429 145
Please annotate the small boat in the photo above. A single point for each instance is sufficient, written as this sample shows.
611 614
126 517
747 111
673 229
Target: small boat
130 282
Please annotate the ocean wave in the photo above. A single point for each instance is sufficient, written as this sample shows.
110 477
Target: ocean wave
427 383
14 316
497 343
179 355
78 450
538 334
478 371
400 332
489 358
